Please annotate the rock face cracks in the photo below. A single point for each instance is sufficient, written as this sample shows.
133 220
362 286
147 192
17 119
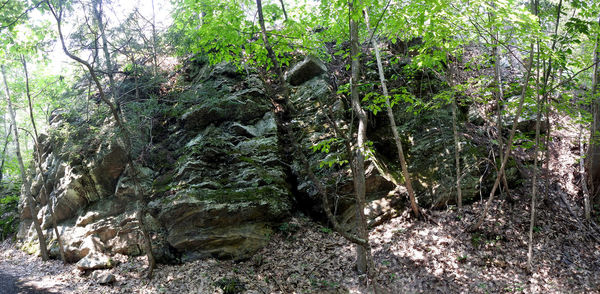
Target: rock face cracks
214 182
216 171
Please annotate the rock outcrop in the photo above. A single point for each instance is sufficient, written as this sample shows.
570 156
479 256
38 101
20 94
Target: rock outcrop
309 68
214 181
218 173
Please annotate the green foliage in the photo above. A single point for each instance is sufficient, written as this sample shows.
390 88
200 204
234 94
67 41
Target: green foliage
332 158
217 29
476 239
326 230
288 229
230 285
323 284
224 31
9 214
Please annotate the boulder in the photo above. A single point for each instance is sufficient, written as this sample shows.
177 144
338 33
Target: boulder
78 248
106 169
95 261
103 277
309 68
527 120
89 217
312 98
226 223
527 124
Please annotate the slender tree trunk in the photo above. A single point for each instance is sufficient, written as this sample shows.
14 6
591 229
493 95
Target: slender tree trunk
124 134
524 86
498 95
360 241
584 186
97 5
594 146
28 196
154 41
456 154
272 56
135 78
546 145
358 171
6 140
539 101
39 164
546 96
534 191
499 98
390 114
283 8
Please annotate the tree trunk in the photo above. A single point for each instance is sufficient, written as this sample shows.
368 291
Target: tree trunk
594 146
273 57
154 42
499 94
360 240
123 131
97 5
390 114
283 8
546 96
38 151
524 86
7 138
584 187
28 196
539 100
358 171
456 154
534 189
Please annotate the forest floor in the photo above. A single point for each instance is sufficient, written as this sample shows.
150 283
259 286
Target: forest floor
412 256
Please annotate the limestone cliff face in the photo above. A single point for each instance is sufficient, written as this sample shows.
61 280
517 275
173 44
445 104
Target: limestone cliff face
213 178
228 186
216 172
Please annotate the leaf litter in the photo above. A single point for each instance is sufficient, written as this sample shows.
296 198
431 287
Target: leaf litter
411 256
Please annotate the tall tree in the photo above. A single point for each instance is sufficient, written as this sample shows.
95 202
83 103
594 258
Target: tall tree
108 64
594 148
6 141
547 83
57 12
392 119
364 258
539 103
524 88
154 41
499 91
39 151
358 168
26 184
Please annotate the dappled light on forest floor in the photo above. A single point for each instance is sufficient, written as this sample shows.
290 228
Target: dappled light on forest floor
411 256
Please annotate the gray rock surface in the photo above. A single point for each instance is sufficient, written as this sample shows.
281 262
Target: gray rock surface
95 261
305 70
214 180
103 277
